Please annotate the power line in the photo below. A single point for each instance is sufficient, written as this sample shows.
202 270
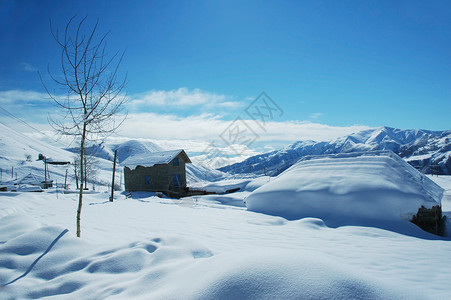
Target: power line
11 115
7 113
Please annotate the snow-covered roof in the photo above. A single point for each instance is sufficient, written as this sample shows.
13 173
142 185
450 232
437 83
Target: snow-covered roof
345 189
30 179
57 161
154 158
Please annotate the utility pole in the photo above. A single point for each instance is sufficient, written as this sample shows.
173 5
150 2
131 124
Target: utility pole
65 181
45 173
114 171
1 175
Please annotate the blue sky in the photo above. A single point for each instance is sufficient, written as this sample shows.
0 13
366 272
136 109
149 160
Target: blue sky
340 65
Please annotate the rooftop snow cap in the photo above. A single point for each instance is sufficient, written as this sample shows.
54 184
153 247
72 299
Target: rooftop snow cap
154 158
369 189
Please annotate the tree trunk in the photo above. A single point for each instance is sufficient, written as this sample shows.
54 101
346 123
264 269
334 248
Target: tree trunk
80 198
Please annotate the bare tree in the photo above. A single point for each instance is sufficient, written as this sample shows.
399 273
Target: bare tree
94 95
90 168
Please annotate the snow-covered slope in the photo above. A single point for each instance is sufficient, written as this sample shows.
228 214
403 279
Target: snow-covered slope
19 154
16 146
376 189
420 148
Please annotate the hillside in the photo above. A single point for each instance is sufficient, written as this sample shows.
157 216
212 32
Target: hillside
421 148
19 154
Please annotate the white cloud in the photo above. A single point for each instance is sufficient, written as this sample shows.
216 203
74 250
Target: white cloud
181 97
208 127
316 115
197 133
28 67
193 133
19 96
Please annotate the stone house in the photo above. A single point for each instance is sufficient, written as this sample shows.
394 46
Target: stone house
157 172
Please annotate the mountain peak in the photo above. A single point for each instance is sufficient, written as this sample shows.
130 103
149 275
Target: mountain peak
406 143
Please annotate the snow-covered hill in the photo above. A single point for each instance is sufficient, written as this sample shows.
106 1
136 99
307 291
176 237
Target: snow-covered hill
19 155
421 148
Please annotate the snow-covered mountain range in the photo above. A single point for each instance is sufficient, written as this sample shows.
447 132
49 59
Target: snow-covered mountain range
426 150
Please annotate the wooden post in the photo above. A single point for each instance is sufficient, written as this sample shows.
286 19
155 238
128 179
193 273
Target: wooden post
1 175
114 171
45 173
12 172
65 181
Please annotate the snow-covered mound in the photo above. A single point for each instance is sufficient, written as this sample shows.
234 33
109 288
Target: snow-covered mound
48 261
368 189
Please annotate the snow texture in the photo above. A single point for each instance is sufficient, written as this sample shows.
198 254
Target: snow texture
369 188
151 159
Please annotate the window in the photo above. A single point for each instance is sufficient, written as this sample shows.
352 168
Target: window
176 180
175 162
147 179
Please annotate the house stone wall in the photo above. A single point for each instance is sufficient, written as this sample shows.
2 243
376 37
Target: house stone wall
160 177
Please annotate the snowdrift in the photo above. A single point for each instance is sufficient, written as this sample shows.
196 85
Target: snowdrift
40 262
369 189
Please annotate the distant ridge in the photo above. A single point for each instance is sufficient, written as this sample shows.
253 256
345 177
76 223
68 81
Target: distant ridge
195 172
421 148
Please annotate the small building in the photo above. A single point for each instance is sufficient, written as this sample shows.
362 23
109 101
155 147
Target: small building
157 172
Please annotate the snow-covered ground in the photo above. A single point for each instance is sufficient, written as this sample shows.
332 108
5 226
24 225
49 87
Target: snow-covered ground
208 247
147 247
